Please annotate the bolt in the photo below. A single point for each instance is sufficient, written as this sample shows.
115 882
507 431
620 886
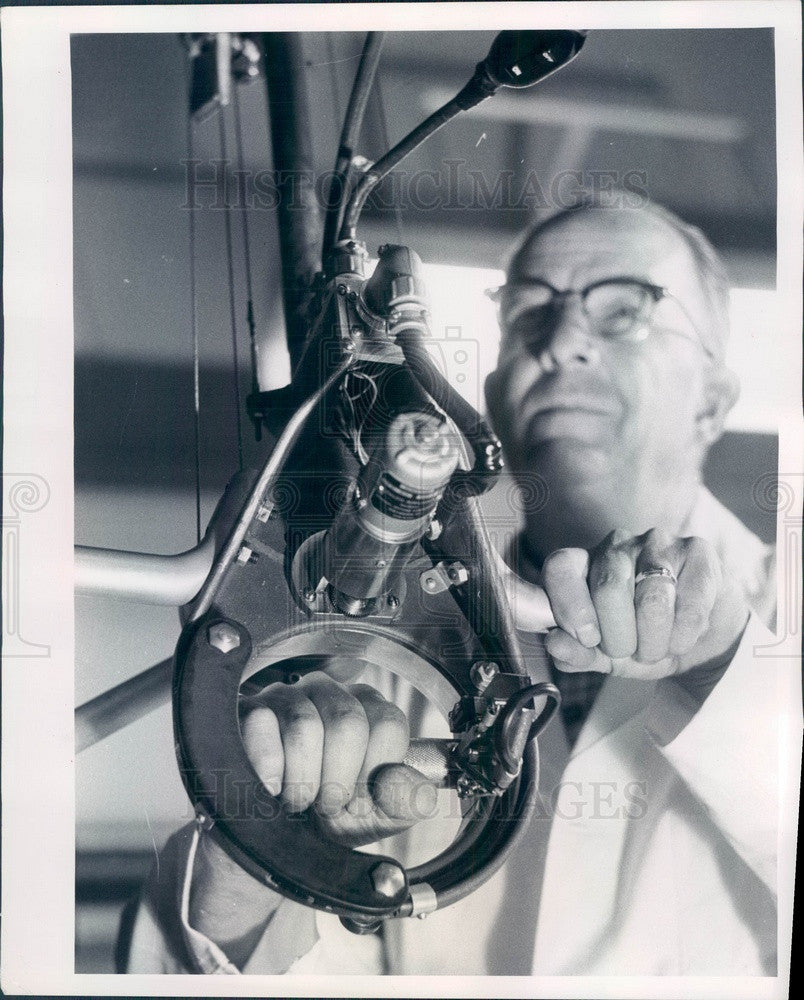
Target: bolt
458 573
430 582
309 595
393 601
244 555
263 513
223 636
341 289
380 563
434 530
482 674
387 879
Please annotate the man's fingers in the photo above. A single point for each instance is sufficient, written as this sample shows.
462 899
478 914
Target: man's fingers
262 741
388 736
655 596
302 733
699 582
403 796
564 575
346 735
611 584
571 657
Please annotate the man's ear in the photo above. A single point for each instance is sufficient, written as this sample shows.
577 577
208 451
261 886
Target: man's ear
720 392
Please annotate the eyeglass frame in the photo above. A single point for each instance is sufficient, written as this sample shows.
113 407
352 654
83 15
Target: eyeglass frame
657 293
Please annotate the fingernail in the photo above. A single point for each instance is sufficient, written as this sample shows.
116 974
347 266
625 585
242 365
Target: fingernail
589 635
274 786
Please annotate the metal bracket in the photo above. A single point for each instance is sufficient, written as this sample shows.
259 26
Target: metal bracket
442 576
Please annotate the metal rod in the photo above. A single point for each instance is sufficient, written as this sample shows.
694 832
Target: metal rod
350 133
122 705
139 576
264 482
100 569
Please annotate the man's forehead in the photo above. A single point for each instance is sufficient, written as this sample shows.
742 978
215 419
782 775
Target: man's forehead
600 241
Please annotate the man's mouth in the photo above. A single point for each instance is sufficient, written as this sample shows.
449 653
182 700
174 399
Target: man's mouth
567 417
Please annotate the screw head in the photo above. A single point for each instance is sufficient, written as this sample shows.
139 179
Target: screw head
387 879
393 601
244 555
309 595
223 636
434 530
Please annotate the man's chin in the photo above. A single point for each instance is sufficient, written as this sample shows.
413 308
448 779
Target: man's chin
571 456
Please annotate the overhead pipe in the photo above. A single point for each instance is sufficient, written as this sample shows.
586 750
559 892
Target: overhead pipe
298 212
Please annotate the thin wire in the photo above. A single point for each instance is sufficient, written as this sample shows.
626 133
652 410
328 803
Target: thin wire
252 333
196 353
227 224
380 105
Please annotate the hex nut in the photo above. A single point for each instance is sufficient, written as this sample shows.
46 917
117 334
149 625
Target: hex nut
483 673
387 879
223 637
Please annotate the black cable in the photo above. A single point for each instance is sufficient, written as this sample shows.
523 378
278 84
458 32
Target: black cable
386 164
350 133
385 141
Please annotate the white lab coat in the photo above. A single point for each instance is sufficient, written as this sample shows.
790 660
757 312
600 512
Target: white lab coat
653 851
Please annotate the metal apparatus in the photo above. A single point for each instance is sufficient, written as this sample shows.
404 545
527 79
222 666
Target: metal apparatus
360 543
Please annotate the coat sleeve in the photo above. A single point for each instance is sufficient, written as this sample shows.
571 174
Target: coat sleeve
726 744
159 938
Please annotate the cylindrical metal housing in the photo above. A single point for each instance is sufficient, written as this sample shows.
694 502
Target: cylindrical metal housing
391 506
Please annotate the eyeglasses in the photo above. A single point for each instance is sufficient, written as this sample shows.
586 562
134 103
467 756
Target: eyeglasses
618 309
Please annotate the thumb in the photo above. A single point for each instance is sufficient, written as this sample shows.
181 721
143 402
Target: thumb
403 794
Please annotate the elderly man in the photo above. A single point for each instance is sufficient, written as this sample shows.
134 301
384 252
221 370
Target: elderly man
654 849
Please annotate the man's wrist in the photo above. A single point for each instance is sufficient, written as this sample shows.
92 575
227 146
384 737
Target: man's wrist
227 905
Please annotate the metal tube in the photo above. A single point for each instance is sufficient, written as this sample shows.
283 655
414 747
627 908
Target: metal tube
298 214
122 705
350 133
134 698
138 576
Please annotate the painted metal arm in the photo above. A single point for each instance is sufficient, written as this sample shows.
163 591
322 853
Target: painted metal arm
137 576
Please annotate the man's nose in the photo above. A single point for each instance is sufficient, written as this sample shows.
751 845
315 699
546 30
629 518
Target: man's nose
570 340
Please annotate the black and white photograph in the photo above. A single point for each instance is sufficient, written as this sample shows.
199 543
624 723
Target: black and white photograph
402 492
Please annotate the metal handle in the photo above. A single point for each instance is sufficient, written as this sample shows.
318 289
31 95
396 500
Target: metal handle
433 758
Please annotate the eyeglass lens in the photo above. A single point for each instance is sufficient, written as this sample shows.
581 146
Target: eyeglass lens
615 310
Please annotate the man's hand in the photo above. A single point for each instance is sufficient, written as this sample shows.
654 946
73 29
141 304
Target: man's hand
649 607
319 744
337 748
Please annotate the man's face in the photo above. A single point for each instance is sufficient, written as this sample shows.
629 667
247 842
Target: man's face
617 418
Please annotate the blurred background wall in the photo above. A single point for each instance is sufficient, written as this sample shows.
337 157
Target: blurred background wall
686 117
